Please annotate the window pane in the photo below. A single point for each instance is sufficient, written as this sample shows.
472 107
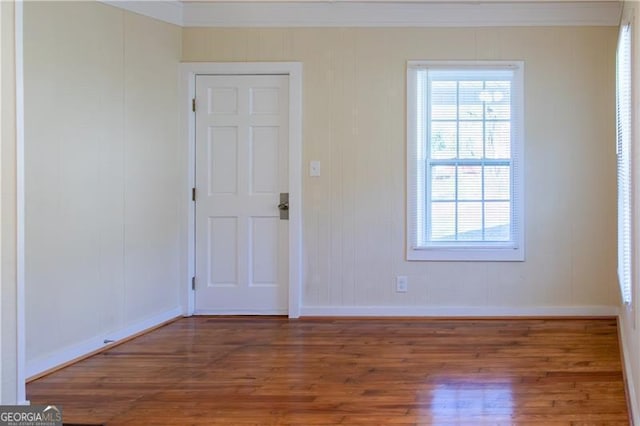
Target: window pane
443 183
503 86
443 140
498 111
443 100
470 221
497 219
470 183
470 102
498 100
497 183
471 139
498 139
443 226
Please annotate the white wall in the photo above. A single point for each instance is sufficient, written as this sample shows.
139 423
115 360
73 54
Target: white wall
8 286
101 176
629 319
354 123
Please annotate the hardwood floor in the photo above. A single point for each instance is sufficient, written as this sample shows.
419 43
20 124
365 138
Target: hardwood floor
269 371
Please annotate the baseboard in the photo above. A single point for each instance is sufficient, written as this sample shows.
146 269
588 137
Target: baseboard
459 311
273 312
73 353
628 375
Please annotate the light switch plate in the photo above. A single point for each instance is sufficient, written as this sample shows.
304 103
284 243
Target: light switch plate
314 168
402 284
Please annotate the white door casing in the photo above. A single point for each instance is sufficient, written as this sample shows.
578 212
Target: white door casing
241 170
189 71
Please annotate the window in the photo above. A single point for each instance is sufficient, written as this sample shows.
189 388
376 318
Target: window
464 148
624 123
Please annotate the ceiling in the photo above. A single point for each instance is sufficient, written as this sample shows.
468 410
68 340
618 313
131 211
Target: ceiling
378 13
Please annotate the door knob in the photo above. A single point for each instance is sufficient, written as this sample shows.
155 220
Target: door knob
283 206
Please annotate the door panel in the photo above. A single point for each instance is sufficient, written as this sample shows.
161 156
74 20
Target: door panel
241 169
222 152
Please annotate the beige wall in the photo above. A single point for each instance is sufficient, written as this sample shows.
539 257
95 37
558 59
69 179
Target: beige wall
103 237
354 123
8 288
101 175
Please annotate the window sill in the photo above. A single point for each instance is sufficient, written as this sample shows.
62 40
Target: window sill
446 254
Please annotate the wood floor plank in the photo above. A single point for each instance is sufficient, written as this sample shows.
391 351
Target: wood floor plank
274 371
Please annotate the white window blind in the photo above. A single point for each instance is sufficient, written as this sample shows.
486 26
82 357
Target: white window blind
624 138
464 157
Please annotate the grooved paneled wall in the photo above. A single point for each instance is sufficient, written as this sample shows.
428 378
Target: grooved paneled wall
354 123
101 176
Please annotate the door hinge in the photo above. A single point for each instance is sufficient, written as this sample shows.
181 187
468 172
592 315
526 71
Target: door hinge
193 283
193 104
193 194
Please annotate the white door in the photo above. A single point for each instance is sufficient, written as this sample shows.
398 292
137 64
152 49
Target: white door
241 169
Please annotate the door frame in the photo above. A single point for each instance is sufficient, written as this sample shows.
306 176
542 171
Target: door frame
188 73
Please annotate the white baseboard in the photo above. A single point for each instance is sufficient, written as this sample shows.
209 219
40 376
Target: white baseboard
629 381
240 312
457 311
81 349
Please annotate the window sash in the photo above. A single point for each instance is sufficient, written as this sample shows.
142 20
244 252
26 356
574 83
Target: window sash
458 77
482 200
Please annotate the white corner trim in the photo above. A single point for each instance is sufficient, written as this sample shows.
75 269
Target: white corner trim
399 14
628 373
163 10
21 370
81 349
458 311
295 188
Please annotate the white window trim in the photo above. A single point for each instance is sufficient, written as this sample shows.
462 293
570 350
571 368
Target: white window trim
469 252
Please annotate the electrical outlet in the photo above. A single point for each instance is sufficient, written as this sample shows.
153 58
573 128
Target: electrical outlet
402 284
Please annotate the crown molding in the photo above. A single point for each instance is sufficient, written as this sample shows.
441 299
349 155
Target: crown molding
400 14
170 11
378 13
